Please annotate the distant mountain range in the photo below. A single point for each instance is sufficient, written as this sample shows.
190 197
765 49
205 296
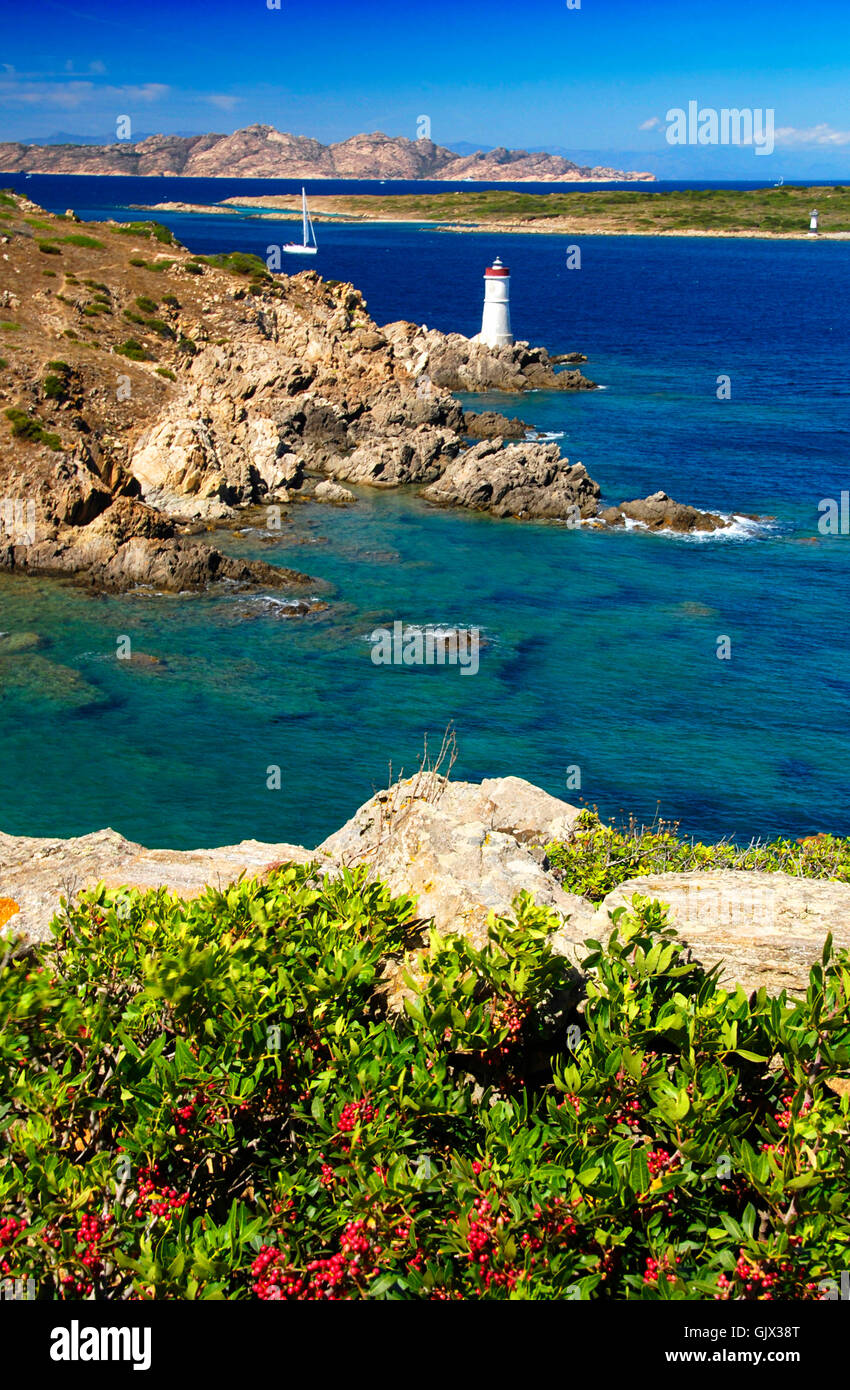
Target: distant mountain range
260 151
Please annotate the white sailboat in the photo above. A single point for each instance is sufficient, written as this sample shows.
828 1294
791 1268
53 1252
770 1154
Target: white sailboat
305 248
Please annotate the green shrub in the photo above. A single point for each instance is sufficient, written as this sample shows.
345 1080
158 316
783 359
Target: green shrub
10 327
147 306
239 263
172 301
27 427
193 268
187 346
56 385
161 328
8 199
601 857
48 249
79 239
133 349
213 1099
148 229
166 372
51 274
133 317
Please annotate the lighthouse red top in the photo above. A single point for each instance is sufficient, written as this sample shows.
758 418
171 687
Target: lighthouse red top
496 269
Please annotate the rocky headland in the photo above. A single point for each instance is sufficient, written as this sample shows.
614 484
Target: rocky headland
260 151
149 395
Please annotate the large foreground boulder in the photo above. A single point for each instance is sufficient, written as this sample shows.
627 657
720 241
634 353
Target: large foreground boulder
766 928
464 849
36 873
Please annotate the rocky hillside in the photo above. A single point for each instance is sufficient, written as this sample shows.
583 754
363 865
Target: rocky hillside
260 151
148 394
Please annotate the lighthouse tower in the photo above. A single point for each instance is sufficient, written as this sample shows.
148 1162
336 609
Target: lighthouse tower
496 319
813 223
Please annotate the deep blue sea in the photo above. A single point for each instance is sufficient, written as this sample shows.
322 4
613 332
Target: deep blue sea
602 648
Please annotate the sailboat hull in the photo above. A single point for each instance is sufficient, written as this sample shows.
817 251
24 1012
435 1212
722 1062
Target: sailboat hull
294 250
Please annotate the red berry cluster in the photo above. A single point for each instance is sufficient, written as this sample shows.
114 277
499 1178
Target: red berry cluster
660 1269
356 1112
204 1107
10 1228
155 1198
783 1117
509 1014
764 1280
91 1232
485 1223
658 1161
551 1225
329 1280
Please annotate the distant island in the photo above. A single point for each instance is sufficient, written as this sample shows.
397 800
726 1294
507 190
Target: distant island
765 212
260 151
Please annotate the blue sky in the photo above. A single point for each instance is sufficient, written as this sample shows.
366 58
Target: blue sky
598 78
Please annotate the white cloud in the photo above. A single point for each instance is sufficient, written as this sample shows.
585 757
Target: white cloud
652 124
222 100
822 134
73 94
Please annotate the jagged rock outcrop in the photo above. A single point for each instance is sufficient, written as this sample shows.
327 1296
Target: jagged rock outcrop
462 848
261 151
456 363
660 513
129 545
489 424
521 480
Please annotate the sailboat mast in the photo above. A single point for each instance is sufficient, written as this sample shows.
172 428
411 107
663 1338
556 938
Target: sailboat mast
304 213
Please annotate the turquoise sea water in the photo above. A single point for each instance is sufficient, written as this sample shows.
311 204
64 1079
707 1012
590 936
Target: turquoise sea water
601 648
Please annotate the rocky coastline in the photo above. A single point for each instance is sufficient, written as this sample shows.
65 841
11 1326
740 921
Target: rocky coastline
150 395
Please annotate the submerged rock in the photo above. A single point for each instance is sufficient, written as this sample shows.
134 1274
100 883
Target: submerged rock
13 642
42 681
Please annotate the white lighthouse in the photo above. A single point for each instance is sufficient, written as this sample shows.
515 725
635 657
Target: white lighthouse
813 223
496 319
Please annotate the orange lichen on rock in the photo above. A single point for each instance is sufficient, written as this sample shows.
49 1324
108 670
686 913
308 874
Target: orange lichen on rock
8 908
